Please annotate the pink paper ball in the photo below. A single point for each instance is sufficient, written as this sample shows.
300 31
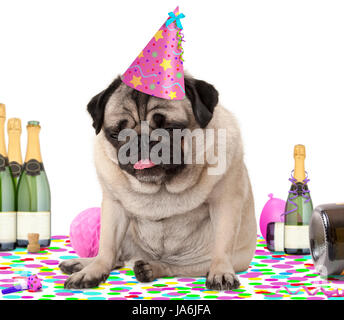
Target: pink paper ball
271 213
85 232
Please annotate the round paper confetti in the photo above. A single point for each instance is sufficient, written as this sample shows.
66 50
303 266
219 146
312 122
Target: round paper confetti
271 276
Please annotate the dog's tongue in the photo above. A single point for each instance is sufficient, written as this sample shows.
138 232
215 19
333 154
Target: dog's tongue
143 164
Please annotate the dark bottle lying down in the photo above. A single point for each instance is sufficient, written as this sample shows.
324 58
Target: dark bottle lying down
326 236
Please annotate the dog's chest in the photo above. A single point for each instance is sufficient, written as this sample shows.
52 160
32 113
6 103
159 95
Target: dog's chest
176 238
162 205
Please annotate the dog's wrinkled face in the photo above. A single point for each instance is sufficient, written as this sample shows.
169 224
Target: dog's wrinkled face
126 109
120 107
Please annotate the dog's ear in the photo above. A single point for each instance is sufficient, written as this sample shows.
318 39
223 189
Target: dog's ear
96 107
203 97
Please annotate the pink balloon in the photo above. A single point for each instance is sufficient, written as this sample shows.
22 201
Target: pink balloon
85 233
271 213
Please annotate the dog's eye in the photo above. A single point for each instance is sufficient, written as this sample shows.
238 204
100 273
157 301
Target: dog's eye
114 135
159 120
114 132
121 125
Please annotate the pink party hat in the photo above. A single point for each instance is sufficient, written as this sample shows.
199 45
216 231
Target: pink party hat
158 69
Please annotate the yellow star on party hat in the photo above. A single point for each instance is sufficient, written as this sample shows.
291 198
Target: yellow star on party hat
158 69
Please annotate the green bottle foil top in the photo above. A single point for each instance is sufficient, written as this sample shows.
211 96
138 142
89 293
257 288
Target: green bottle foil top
33 123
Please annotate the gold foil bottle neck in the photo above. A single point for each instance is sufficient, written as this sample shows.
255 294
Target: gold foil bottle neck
14 125
33 150
299 156
300 151
2 110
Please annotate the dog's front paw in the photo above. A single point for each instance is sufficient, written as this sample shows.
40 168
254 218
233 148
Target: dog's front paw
143 271
72 265
89 277
222 281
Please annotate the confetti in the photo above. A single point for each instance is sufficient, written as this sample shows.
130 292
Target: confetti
271 276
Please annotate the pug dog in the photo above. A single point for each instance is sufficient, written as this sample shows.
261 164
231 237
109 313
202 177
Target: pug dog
171 219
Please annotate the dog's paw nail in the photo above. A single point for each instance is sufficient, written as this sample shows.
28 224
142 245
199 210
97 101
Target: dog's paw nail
143 271
81 280
225 281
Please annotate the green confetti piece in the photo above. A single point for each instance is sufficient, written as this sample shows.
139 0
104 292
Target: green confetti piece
298 298
160 285
267 293
300 259
113 293
238 290
283 291
130 273
267 273
301 270
114 278
154 292
210 297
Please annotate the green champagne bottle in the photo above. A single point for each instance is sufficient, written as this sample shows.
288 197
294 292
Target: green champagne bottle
299 208
33 194
14 152
7 193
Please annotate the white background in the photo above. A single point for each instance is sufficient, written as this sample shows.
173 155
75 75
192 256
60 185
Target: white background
278 65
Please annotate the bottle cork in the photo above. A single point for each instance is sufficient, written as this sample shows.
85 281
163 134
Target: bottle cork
33 245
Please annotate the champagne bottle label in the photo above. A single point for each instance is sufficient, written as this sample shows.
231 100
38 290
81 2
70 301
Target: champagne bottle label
33 167
33 222
16 169
296 237
8 226
3 162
